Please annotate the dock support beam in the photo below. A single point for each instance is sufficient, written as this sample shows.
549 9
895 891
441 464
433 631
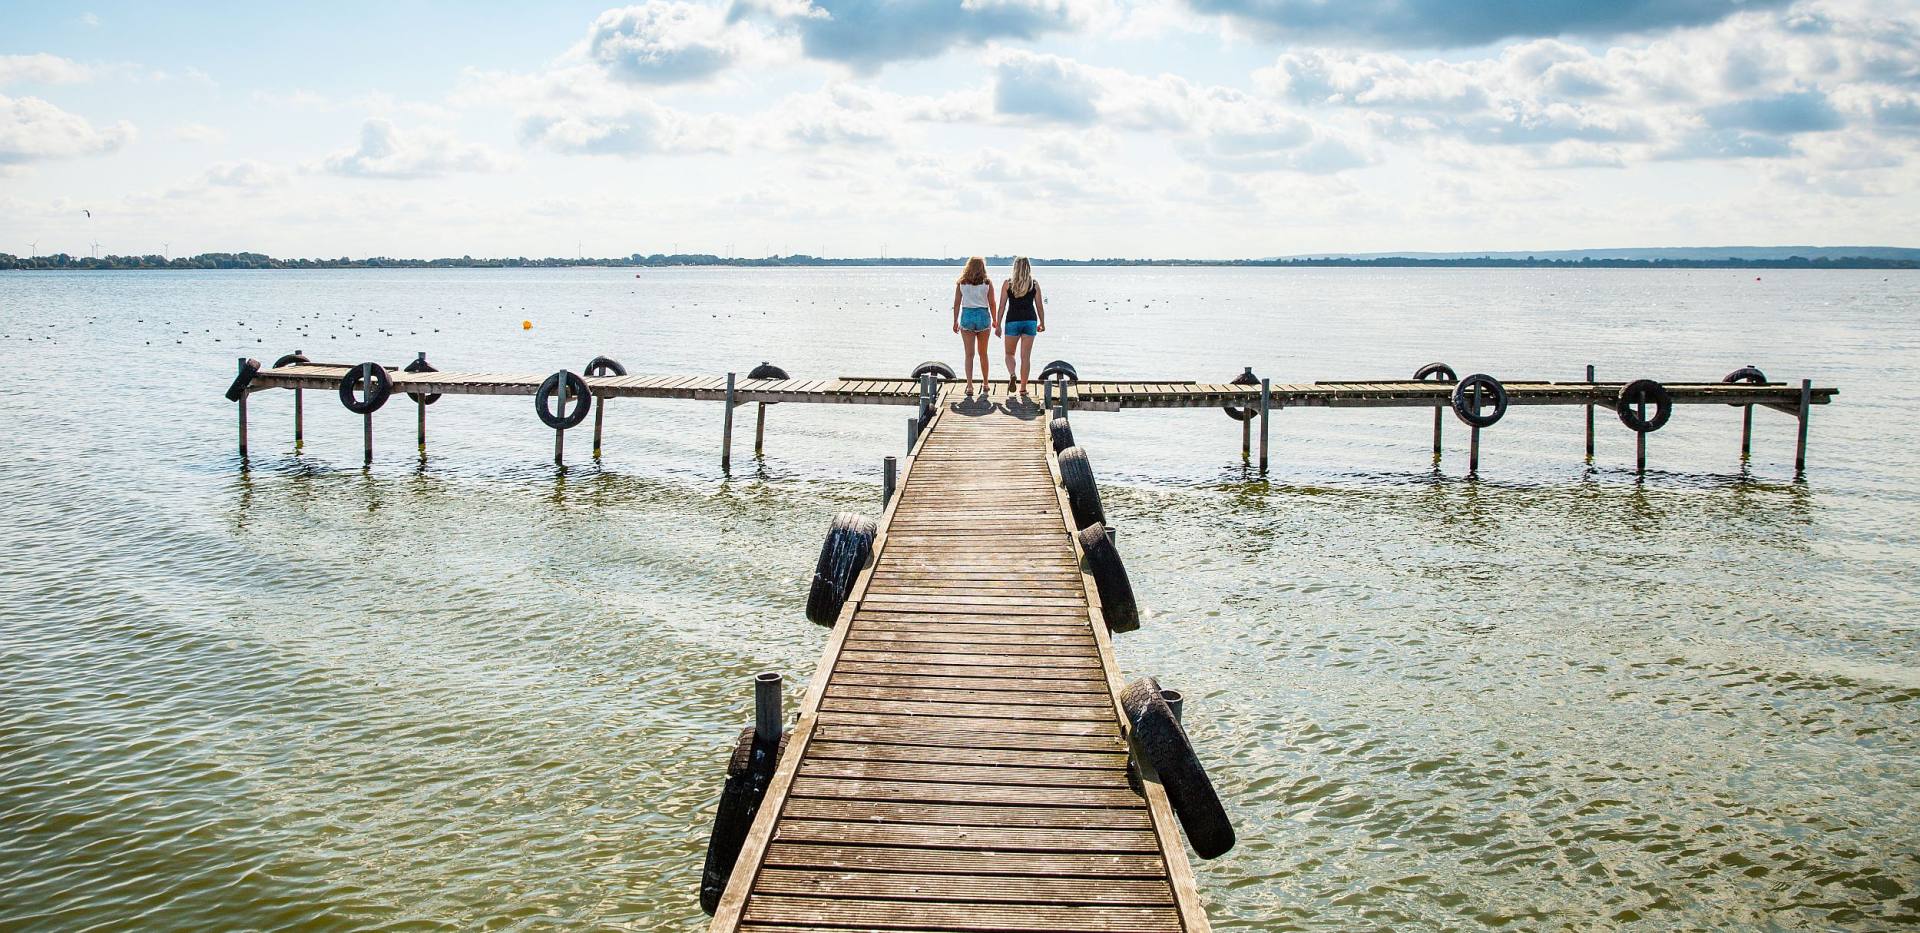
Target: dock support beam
1589 416
1640 443
421 429
243 426
766 709
760 429
1266 404
599 417
888 467
367 435
1806 409
726 431
560 434
1437 412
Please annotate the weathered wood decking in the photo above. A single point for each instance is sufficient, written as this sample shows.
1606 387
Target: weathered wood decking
960 760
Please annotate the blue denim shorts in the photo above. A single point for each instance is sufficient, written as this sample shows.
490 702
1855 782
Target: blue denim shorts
975 320
1022 328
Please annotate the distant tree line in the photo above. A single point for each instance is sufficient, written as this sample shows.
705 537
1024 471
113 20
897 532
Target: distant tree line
62 261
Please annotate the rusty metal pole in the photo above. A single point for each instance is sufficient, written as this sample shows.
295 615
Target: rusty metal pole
1589 412
1176 701
1806 410
1473 452
421 404
1438 410
599 418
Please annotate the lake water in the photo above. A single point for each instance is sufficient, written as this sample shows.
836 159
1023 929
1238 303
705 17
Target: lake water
476 690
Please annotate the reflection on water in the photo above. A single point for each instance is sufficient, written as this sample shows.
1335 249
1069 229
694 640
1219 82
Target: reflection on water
477 689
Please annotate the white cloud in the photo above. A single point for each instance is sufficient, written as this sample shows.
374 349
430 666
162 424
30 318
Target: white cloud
865 35
41 68
32 130
386 152
199 133
245 173
666 41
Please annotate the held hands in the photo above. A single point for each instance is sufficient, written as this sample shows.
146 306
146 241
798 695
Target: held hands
996 332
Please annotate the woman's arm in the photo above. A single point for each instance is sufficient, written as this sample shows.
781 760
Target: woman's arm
993 306
1039 308
956 307
1005 288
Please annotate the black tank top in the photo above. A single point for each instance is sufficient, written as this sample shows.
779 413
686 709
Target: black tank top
1020 307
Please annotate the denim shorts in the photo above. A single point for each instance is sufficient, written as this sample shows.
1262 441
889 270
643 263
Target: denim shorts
974 320
1022 328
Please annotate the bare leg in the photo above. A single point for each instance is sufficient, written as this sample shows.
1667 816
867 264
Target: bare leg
1026 361
1013 346
966 347
980 347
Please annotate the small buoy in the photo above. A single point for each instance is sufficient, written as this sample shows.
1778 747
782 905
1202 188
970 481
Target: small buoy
526 325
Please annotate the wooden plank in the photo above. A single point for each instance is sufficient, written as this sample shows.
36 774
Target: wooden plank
883 858
947 814
970 794
997 918
948 755
947 886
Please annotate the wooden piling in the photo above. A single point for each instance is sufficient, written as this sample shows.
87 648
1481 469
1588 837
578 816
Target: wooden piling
726 430
767 720
243 425
367 435
888 468
1640 442
1589 417
420 432
560 434
1806 410
599 417
1473 453
1438 410
760 429
1266 404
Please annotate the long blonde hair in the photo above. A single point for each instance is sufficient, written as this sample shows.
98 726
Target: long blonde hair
975 273
1022 281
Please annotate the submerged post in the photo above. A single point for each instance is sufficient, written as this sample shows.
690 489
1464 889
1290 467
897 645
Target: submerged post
760 429
726 430
367 434
1473 444
420 403
560 433
766 709
242 406
1438 410
1266 405
1589 413
599 416
1640 441
299 397
1806 409
887 468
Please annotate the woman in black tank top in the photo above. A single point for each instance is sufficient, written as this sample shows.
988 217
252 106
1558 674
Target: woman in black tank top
1025 316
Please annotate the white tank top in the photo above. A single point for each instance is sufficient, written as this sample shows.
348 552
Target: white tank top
974 296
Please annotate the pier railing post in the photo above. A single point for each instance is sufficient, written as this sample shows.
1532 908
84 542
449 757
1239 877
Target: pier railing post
1046 387
767 721
1806 409
599 417
299 429
888 467
760 429
726 430
242 406
1266 405
913 434
1589 412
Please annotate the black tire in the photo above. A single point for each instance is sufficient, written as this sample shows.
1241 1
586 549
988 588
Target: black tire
936 368
844 554
1061 432
1083 494
1240 412
1440 372
768 371
1746 374
379 388
1162 743
604 366
1110 579
1059 369
291 359
238 390
1627 405
580 397
420 365
1490 388
749 772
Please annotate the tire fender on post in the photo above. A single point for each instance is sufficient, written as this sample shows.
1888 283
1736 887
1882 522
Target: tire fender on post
1647 391
1061 432
749 772
291 359
1059 369
1490 391
934 367
579 397
1159 739
844 554
1745 374
604 366
1110 579
1436 372
379 388
420 365
768 371
1243 412
1083 494
238 389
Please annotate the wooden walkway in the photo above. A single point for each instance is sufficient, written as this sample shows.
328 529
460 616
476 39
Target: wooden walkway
960 761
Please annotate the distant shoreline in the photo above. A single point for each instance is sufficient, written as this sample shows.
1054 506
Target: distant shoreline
63 262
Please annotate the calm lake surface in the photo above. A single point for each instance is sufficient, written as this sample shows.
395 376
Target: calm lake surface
476 691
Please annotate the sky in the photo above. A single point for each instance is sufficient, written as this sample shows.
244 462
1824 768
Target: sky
1053 128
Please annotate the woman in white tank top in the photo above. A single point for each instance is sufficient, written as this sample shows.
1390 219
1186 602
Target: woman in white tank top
975 311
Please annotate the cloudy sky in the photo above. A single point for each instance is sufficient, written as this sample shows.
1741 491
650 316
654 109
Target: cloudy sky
1217 128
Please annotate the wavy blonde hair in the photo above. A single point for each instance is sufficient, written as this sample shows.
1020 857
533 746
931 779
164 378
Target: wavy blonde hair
1022 281
975 273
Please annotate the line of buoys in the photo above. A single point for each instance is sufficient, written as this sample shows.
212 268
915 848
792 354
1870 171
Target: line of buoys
848 546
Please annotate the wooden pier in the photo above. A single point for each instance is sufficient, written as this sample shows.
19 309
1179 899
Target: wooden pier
960 761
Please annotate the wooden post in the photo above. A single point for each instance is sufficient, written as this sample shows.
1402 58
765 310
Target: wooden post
1266 405
887 468
560 434
1589 414
299 429
1806 409
1473 445
1438 410
599 417
367 433
760 429
913 434
767 721
1640 442
243 425
1746 433
421 406
726 430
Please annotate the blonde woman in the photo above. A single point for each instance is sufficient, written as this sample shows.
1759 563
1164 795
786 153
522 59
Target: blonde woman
1025 316
975 312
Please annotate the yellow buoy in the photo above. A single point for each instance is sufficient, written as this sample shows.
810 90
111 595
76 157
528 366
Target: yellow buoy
526 325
